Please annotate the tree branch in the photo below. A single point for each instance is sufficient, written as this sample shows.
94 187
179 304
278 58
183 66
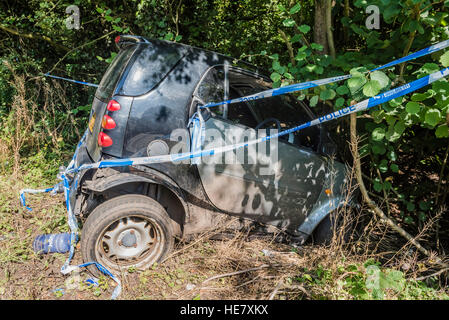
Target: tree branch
34 36
371 204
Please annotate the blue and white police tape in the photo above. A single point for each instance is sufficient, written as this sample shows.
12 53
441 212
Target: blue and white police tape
102 269
315 83
71 80
72 222
361 106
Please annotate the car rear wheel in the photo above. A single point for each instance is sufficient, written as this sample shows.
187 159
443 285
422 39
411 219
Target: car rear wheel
127 231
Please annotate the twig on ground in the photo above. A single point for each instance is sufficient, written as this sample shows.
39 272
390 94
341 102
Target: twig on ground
276 289
235 273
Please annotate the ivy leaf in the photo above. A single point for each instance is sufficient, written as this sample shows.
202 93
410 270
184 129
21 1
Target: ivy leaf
383 166
339 102
341 90
295 8
422 96
432 117
394 167
412 107
380 77
378 134
275 76
356 83
304 28
276 65
316 46
444 59
314 101
378 148
399 127
372 88
288 22
327 94
442 131
377 186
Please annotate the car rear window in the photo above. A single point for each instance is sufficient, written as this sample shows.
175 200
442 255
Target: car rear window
151 65
112 75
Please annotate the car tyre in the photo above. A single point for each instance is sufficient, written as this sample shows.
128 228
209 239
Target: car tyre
129 231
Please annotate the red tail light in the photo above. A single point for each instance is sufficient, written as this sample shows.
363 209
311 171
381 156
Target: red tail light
117 39
113 106
104 140
108 122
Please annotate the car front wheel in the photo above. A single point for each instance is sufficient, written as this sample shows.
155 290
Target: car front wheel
127 231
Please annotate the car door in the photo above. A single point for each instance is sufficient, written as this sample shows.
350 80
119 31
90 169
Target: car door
279 191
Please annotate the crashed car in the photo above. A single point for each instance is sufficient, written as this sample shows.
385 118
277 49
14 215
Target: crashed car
143 107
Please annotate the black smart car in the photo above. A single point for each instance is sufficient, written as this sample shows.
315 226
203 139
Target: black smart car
142 107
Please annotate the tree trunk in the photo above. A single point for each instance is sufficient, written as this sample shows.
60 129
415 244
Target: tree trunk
320 27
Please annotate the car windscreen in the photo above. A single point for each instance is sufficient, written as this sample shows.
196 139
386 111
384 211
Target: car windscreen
151 65
112 75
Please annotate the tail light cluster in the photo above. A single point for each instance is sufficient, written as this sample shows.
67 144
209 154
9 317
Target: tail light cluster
108 123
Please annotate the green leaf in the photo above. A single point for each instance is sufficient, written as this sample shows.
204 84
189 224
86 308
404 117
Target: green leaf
432 117
276 65
314 101
394 167
399 127
412 107
327 94
424 205
296 38
377 186
339 102
378 134
444 59
316 46
356 83
380 77
372 88
288 22
304 28
442 131
421 96
383 166
392 155
295 8
342 90
378 148
275 76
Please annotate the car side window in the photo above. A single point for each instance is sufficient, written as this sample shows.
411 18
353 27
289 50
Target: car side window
211 89
285 108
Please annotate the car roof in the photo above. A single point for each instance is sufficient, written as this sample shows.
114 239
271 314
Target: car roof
212 58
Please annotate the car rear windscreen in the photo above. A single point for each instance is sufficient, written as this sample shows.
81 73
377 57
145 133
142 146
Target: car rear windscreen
151 65
112 75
